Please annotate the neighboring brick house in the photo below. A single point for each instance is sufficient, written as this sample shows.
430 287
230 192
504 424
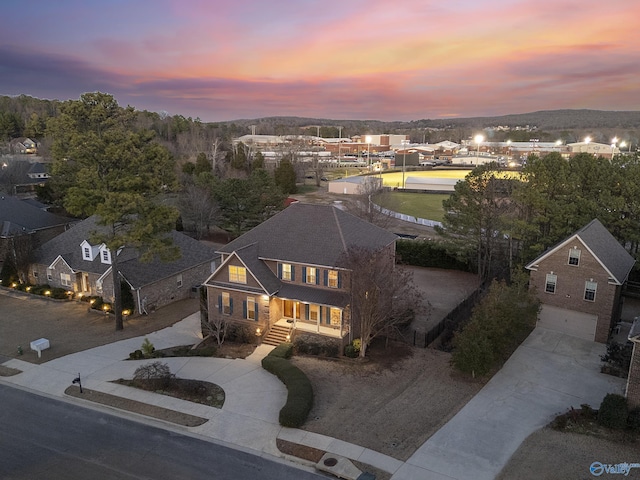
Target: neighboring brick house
633 380
70 261
286 274
579 282
24 220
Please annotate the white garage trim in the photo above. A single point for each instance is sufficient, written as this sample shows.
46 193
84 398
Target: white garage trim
570 322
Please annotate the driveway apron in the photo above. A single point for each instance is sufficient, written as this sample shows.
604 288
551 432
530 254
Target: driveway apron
549 373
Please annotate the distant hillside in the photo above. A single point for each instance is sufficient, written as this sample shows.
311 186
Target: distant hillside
544 120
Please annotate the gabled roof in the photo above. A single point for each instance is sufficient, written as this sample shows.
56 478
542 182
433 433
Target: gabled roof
18 217
137 273
604 247
311 234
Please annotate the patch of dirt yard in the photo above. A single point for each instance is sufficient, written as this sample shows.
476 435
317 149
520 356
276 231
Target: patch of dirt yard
551 454
391 403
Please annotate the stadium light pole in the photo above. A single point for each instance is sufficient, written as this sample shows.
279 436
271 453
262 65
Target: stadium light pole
478 139
404 158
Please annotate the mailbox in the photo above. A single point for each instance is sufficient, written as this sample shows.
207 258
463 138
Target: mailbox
39 345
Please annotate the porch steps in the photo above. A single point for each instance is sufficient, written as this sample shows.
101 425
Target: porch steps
277 335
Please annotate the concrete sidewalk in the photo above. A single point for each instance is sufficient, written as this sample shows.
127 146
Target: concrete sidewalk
253 396
546 375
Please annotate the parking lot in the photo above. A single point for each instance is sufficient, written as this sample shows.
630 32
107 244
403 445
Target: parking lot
69 326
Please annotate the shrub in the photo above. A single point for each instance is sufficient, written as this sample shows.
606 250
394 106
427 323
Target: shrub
299 390
613 411
499 323
157 373
136 355
424 253
147 348
311 345
59 293
284 350
618 358
239 334
350 351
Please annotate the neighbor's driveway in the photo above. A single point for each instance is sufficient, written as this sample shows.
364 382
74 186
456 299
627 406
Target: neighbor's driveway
546 375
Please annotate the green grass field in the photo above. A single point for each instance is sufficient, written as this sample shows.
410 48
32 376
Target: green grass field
394 179
423 205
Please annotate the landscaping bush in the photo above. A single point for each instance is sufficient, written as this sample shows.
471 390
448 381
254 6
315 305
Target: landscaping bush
157 372
613 411
499 323
128 303
239 334
60 294
136 355
299 390
284 350
8 274
424 253
350 351
40 289
617 359
312 345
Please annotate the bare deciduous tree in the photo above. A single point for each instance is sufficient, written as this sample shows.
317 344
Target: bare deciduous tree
216 327
198 208
363 205
383 295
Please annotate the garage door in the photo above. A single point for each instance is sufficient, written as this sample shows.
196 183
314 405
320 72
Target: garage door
576 324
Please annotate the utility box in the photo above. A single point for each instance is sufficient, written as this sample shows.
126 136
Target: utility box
39 345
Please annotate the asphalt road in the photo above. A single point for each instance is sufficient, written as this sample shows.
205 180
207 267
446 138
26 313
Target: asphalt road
51 439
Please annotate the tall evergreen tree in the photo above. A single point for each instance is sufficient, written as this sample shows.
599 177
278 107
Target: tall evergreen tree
104 167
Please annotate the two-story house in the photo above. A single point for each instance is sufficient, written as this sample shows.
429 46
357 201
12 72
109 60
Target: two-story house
71 261
579 282
288 273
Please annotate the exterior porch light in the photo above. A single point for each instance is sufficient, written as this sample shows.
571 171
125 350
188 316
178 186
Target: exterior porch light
258 332
288 337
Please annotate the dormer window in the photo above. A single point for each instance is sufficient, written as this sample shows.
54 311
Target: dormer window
105 255
89 252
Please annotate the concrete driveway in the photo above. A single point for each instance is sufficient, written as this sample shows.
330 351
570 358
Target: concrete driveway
546 375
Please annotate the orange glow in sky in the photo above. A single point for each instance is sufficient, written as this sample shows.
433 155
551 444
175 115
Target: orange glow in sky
373 59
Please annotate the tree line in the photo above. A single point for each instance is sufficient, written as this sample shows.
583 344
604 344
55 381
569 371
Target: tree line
500 221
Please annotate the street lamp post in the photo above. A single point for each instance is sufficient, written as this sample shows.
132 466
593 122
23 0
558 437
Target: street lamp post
614 142
368 139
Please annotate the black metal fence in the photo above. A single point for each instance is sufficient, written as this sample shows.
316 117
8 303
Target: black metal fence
445 327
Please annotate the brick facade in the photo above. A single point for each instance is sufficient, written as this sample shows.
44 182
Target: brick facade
570 287
633 382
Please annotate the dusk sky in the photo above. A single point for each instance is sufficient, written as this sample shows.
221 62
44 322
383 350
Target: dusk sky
338 59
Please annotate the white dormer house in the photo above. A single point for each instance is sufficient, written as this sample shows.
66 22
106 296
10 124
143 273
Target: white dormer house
89 252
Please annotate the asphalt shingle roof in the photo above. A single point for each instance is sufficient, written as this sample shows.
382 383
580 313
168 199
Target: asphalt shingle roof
137 273
18 216
311 234
604 246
